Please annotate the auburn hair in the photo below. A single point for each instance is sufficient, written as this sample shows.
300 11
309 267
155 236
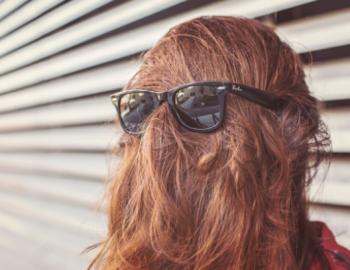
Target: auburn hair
235 198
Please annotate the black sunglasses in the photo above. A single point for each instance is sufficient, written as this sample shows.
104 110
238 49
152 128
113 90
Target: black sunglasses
198 106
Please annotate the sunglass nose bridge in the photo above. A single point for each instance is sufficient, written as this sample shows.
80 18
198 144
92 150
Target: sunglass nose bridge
162 97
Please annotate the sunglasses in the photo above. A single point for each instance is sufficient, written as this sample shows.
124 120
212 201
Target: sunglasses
197 106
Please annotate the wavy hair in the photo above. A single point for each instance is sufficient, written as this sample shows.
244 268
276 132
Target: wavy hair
232 199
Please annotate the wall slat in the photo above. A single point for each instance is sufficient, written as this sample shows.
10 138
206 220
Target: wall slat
129 12
29 12
59 17
330 80
324 31
82 165
9 6
80 138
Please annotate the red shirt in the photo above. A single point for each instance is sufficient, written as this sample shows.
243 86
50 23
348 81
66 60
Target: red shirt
337 255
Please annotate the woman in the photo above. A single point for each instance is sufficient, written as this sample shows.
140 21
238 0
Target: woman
217 178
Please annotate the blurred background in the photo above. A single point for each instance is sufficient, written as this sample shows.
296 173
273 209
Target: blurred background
59 62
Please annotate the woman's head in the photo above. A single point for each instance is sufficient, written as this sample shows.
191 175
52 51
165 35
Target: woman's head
231 199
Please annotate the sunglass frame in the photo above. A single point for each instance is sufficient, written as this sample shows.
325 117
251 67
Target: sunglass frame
252 94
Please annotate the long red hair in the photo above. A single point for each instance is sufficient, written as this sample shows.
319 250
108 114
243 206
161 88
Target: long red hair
231 199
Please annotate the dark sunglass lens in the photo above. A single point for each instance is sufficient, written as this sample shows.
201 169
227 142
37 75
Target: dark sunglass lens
198 106
135 108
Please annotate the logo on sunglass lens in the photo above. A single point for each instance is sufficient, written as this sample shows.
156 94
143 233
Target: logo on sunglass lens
236 87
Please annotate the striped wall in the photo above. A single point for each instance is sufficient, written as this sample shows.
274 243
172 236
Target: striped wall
59 62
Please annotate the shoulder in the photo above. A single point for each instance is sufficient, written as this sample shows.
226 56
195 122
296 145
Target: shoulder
337 255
